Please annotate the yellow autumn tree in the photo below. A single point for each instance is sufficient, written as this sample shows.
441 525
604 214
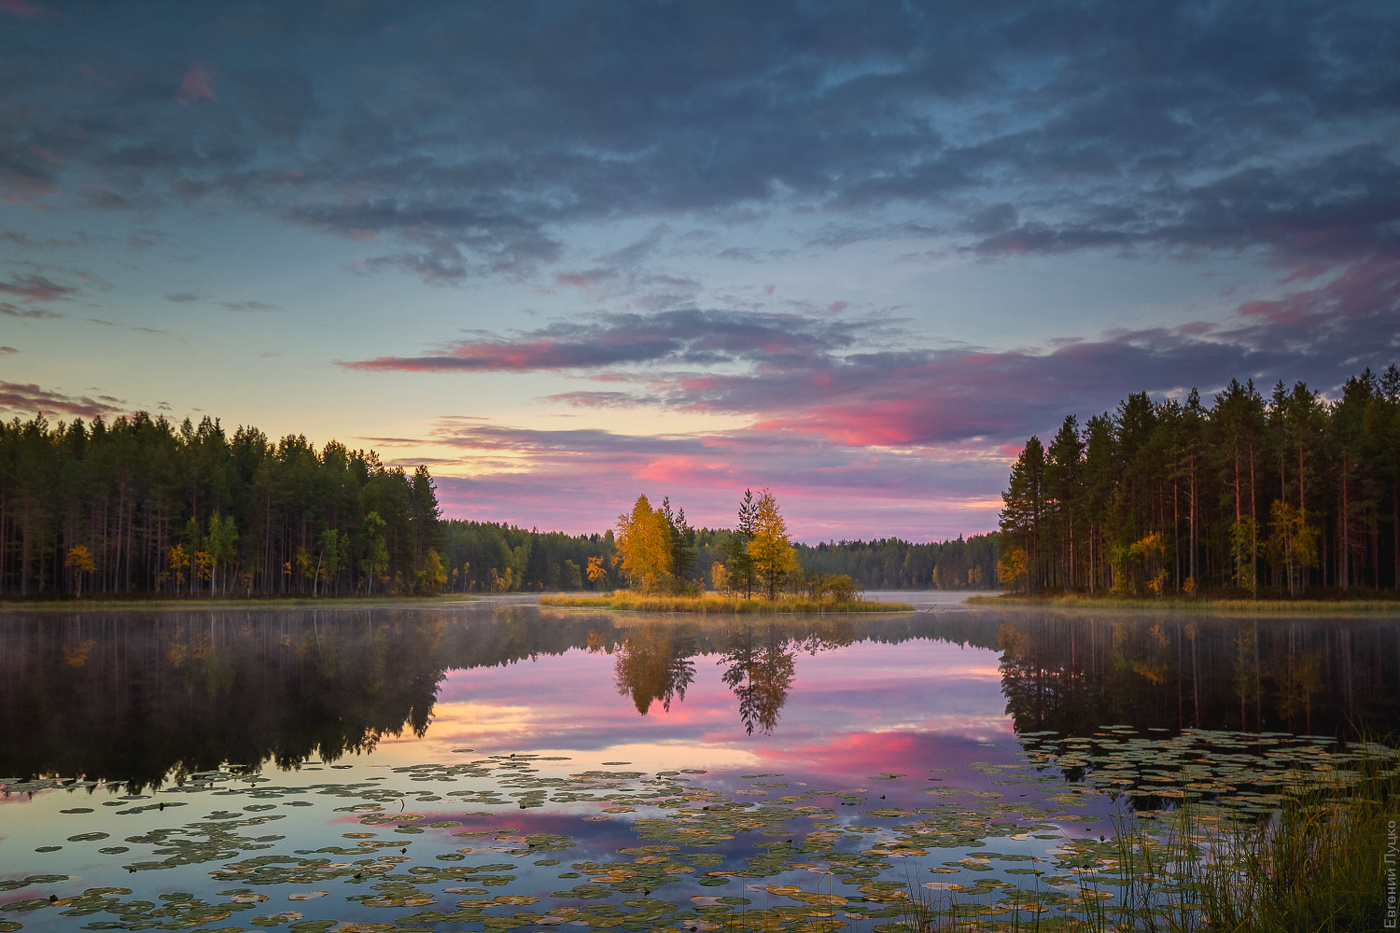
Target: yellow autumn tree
80 561
1011 565
1293 543
774 559
596 571
644 545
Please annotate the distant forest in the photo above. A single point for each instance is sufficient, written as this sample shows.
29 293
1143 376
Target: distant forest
1279 495
141 505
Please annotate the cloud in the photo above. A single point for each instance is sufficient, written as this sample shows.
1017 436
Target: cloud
799 376
1002 130
194 86
1333 210
247 304
926 397
10 309
241 305
29 399
33 287
677 337
6 351
580 480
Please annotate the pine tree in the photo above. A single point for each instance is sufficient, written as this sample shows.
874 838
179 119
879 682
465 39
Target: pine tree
737 559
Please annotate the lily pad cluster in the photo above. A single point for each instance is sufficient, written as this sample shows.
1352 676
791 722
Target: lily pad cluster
516 842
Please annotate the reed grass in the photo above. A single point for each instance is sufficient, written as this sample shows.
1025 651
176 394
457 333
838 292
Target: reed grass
1316 864
717 604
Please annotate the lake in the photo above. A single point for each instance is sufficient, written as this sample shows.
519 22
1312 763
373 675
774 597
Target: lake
495 765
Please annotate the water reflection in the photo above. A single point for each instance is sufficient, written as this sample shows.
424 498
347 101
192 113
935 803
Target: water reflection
655 661
1075 674
140 697
760 665
655 664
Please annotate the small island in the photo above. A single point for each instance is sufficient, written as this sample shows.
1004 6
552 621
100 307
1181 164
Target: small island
760 572
716 603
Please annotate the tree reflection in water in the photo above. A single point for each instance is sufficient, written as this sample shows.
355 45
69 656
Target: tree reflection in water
760 674
1073 675
655 664
144 697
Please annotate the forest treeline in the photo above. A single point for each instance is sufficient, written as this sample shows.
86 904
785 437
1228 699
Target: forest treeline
1278 494
142 505
493 557
894 564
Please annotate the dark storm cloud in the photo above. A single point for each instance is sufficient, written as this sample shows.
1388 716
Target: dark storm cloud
465 139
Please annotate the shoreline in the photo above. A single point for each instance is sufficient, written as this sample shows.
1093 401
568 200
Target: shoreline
713 604
1367 606
269 602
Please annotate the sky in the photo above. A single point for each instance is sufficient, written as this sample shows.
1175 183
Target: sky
565 253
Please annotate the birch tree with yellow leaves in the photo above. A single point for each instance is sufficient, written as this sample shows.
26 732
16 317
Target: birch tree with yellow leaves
644 545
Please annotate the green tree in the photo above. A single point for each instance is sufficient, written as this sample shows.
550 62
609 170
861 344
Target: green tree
1063 494
221 544
1238 425
737 559
1023 505
426 515
375 564
331 556
682 542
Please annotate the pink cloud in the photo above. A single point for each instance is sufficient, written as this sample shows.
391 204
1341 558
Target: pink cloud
1367 287
671 469
194 86
911 441
29 399
580 481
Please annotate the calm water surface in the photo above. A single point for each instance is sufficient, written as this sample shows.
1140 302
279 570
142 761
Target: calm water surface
497 765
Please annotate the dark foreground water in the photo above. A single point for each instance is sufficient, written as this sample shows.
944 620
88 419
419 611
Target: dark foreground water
498 766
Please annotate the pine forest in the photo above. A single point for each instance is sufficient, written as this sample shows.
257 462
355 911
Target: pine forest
1260 496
